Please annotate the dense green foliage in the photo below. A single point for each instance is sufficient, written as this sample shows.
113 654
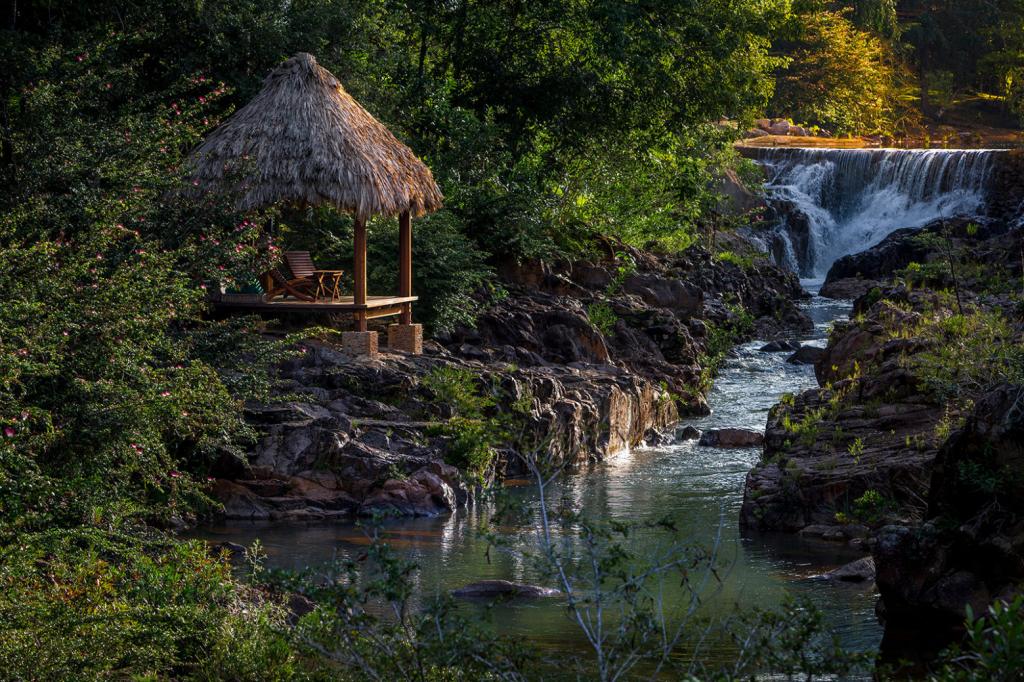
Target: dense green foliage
875 66
116 392
961 47
547 124
839 76
85 604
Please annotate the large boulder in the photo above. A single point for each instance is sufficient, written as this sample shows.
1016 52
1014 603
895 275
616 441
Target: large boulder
731 438
971 549
847 288
806 355
737 198
899 249
861 432
859 571
678 296
422 494
796 226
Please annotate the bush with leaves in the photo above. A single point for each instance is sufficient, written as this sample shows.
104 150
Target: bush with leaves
993 648
90 604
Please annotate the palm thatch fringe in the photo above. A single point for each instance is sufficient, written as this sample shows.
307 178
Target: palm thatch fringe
304 140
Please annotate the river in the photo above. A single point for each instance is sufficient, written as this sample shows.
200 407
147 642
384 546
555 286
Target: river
700 488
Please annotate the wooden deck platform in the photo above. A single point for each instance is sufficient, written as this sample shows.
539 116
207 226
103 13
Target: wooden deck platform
375 306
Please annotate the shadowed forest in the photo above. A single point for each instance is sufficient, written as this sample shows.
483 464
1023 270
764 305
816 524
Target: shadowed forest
612 240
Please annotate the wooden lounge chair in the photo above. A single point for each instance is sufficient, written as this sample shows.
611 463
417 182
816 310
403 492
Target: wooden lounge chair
302 288
325 282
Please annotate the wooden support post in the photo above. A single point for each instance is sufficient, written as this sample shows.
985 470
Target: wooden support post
359 273
405 264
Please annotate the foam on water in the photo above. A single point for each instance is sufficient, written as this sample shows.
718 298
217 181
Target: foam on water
853 198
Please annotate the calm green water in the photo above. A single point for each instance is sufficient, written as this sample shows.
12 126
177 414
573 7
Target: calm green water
700 488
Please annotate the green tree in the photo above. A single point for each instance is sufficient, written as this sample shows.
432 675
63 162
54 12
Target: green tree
838 76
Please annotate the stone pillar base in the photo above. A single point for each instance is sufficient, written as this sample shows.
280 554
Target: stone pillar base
363 344
407 337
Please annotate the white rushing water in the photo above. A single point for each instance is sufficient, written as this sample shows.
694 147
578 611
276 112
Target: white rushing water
840 201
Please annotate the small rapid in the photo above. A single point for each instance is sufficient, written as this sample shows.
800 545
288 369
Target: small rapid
833 202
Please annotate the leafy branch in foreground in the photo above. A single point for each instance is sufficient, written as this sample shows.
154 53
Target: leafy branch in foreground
369 622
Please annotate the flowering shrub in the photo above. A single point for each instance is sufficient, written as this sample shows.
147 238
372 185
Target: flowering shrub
113 396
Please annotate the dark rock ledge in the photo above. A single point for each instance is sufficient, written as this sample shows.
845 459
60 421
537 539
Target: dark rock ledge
359 437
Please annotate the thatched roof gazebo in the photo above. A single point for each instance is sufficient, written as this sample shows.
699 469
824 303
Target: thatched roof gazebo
303 140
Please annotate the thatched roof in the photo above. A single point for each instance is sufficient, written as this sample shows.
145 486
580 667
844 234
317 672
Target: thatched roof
304 140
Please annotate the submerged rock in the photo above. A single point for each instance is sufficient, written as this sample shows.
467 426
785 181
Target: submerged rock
492 589
731 438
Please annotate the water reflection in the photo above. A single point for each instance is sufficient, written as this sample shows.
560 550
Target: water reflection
699 488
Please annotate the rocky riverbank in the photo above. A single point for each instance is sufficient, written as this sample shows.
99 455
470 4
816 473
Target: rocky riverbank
593 357
911 447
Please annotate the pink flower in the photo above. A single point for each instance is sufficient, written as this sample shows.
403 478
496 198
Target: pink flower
173 474
202 100
9 431
165 394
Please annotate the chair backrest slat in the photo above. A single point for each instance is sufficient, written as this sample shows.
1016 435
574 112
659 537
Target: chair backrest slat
300 263
278 277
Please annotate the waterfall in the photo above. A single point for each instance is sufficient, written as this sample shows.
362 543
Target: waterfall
832 202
